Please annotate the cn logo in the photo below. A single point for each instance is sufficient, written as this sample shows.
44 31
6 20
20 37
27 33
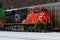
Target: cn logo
41 16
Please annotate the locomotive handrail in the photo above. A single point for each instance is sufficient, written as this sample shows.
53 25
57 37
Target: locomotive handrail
15 23
22 23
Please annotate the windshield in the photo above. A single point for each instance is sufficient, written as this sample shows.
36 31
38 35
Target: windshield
36 10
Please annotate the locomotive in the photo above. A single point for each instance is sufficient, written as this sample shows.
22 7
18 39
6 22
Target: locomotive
36 19
40 18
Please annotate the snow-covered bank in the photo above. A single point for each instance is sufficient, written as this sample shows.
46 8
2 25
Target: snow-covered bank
29 36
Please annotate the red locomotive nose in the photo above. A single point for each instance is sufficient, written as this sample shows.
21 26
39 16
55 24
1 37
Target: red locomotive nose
37 15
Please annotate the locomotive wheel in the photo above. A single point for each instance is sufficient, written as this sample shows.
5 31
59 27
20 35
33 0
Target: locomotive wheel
8 28
29 28
39 28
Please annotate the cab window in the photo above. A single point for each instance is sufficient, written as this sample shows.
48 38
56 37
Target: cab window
36 10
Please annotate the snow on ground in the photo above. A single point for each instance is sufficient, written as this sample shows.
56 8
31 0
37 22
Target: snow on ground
29 36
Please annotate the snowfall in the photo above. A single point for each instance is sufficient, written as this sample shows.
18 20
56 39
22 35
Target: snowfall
29 36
